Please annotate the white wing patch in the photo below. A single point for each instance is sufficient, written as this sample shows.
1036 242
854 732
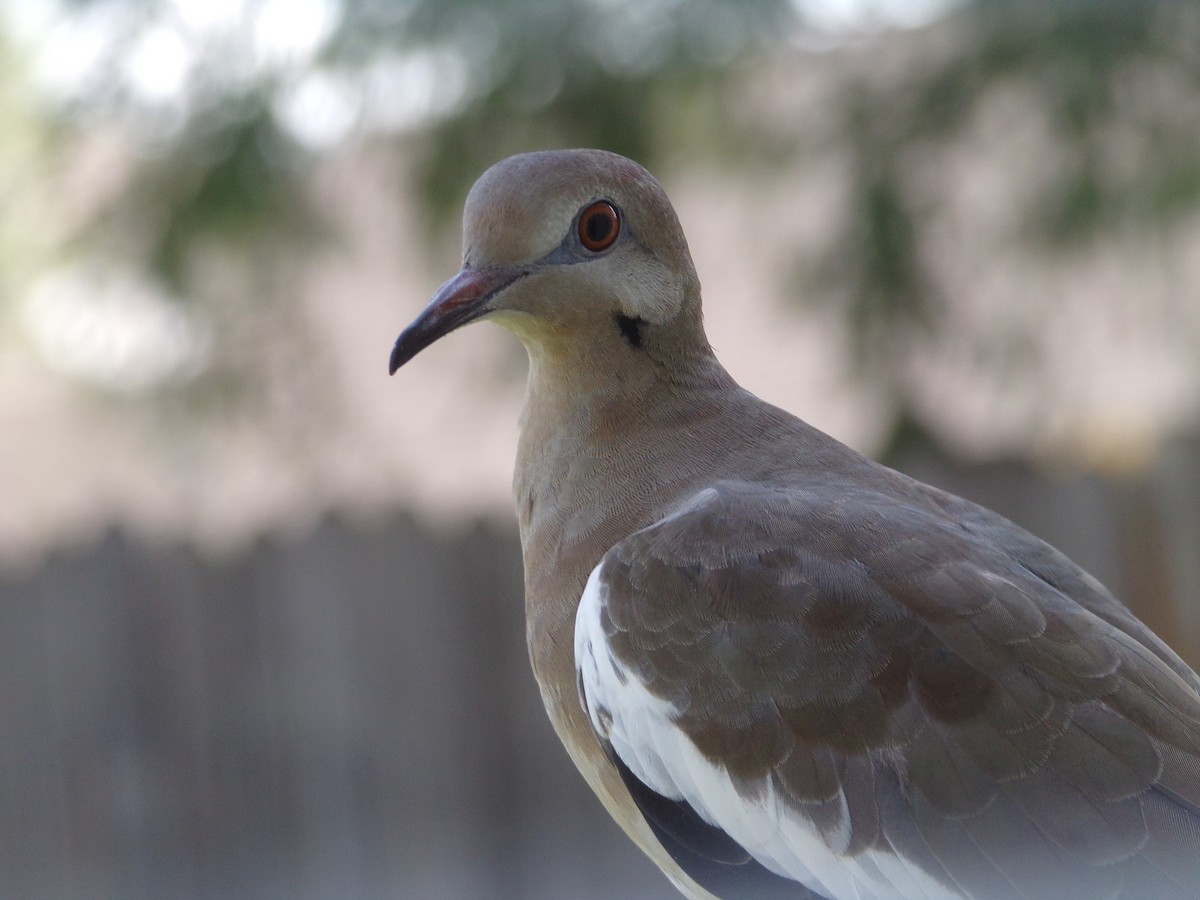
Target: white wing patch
642 731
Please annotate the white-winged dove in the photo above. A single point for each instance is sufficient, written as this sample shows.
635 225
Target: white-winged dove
785 669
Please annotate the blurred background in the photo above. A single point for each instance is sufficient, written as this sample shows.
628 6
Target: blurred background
260 606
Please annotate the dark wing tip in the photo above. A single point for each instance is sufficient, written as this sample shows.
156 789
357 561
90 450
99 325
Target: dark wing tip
708 855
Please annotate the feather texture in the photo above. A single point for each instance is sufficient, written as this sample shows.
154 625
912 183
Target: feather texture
877 699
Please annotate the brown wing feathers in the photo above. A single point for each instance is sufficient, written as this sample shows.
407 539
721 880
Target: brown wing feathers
971 716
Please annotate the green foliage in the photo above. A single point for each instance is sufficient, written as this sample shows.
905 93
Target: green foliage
600 73
1115 86
235 185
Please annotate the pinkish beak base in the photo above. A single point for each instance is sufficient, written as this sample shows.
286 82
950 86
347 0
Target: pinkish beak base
460 300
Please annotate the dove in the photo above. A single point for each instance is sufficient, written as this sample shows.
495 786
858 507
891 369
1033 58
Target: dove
785 669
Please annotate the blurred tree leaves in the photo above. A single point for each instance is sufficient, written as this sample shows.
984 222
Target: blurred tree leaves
1092 64
1113 84
605 73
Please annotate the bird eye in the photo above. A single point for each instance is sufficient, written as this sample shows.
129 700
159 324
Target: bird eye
599 226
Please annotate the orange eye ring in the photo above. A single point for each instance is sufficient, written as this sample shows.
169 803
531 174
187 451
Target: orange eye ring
599 226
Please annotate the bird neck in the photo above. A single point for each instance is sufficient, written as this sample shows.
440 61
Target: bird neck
602 413
600 458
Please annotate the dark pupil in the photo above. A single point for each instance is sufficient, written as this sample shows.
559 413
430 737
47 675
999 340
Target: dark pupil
598 227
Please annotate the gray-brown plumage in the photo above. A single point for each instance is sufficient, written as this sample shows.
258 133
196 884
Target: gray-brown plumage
785 669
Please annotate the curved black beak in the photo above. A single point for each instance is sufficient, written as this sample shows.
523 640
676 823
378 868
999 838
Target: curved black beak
460 300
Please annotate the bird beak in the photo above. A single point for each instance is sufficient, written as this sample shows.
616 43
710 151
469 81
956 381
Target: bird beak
460 300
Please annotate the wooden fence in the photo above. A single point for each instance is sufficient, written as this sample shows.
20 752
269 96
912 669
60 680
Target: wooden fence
350 713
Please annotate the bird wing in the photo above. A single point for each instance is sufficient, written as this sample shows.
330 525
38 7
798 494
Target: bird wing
877 697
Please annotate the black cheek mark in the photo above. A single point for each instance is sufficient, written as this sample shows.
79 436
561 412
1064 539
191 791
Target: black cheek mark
631 330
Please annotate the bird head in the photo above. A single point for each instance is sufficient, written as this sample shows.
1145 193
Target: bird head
565 247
